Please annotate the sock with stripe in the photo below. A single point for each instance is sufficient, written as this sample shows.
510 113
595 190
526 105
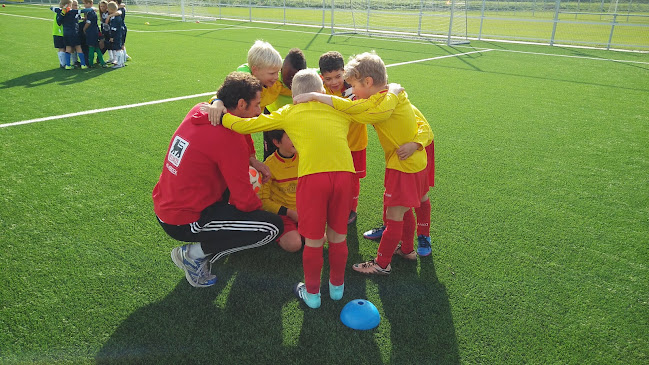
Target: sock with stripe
423 218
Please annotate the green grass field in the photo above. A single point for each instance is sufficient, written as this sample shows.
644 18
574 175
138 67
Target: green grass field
539 215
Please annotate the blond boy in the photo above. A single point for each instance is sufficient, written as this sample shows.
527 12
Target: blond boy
403 141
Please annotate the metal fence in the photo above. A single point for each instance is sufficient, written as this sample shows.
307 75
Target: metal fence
610 24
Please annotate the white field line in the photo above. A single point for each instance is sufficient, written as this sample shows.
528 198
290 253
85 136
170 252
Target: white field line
94 111
437 58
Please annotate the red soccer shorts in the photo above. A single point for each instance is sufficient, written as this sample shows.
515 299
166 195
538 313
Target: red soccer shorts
324 199
289 225
360 163
404 189
430 153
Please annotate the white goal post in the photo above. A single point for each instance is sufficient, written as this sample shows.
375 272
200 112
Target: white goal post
437 20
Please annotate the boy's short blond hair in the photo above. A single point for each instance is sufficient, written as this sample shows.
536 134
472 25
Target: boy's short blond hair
112 6
64 3
367 64
88 1
262 55
306 81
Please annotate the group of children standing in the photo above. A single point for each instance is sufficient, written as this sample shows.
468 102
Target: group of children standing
322 186
83 33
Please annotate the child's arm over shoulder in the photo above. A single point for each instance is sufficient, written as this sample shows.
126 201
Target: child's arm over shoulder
313 96
264 122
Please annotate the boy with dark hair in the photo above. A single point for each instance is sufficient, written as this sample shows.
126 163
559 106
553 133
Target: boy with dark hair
278 194
293 62
204 193
332 68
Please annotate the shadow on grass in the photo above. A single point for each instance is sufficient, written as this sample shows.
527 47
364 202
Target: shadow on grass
56 76
251 316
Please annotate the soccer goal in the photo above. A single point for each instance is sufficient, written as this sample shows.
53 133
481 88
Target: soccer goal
437 20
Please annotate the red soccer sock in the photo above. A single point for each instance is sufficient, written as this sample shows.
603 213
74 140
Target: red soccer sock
423 218
337 262
312 262
356 191
389 242
408 232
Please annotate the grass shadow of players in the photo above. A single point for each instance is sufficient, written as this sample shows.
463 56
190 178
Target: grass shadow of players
249 316
417 308
53 76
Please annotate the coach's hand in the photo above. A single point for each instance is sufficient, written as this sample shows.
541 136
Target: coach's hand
261 167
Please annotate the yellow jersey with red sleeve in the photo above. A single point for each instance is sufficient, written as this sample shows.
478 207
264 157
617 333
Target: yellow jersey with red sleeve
280 191
424 135
357 137
395 124
318 132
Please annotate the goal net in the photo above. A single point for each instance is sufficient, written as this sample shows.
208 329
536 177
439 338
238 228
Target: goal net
437 20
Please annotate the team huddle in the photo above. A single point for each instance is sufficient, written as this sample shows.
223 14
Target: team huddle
83 33
315 140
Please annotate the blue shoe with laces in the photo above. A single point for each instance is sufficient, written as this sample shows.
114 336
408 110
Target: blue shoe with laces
311 300
424 248
197 271
374 233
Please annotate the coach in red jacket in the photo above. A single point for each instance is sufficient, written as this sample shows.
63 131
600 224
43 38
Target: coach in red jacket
204 193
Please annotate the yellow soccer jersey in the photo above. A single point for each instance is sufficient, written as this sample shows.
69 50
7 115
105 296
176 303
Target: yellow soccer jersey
357 137
425 135
318 132
281 189
394 127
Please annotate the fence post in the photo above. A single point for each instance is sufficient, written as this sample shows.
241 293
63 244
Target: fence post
421 12
368 16
481 20
450 23
610 37
332 16
556 20
284 12
250 10
182 9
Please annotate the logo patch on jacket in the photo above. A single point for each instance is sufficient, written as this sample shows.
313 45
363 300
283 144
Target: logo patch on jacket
177 150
